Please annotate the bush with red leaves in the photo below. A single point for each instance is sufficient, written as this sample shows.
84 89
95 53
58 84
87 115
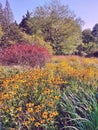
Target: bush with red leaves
24 54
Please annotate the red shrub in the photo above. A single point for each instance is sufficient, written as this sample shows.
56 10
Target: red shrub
24 54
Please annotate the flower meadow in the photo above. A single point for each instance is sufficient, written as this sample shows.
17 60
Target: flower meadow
61 95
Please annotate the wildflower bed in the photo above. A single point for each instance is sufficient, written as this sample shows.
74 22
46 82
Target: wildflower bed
61 95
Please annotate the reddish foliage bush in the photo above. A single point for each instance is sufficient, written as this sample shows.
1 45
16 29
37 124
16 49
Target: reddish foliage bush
24 54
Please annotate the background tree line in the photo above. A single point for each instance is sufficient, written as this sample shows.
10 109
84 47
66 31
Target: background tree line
53 25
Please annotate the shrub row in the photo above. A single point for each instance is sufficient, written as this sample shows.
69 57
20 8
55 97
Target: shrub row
24 54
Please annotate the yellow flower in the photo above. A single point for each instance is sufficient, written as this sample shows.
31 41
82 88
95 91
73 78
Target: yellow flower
25 94
45 115
19 108
51 115
16 86
30 110
47 91
55 113
50 119
37 110
42 121
11 108
0 103
56 97
37 124
26 123
5 96
32 119
29 104
51 104
12 92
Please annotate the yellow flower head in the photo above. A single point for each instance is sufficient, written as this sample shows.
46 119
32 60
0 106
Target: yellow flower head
45 115
37 124
30 110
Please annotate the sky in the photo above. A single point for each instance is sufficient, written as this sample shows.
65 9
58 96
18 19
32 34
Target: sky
87 10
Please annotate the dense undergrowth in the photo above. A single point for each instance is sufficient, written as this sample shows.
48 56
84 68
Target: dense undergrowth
24 54
61 95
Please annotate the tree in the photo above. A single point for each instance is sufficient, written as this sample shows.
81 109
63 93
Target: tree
59 26
95 32
86 49
87 36
15 35
9 18
26 23
1 32
55 9
1 14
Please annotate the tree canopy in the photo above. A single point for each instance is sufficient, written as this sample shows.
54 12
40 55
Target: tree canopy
53 25
58 25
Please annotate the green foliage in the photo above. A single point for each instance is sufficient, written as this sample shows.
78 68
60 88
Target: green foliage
15 35
6 19
64 35
86 49
1 32
57 25
8 14
26 23
95 32
78 109
71 43
12 35
87 36
38 39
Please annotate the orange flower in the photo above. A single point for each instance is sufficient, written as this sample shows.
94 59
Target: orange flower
29 104
51 104
56 97
37 124
19 108
45 115
32 119
26 123
30 110
37 110
42 121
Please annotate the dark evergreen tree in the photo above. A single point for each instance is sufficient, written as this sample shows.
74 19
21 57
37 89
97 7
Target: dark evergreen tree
95 32
2 16
7 21
26 23
87 36
9 18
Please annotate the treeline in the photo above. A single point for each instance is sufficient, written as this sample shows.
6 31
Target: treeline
90 42
53 26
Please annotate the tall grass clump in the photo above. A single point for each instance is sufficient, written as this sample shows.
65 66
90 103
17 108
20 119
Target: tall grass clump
78 110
